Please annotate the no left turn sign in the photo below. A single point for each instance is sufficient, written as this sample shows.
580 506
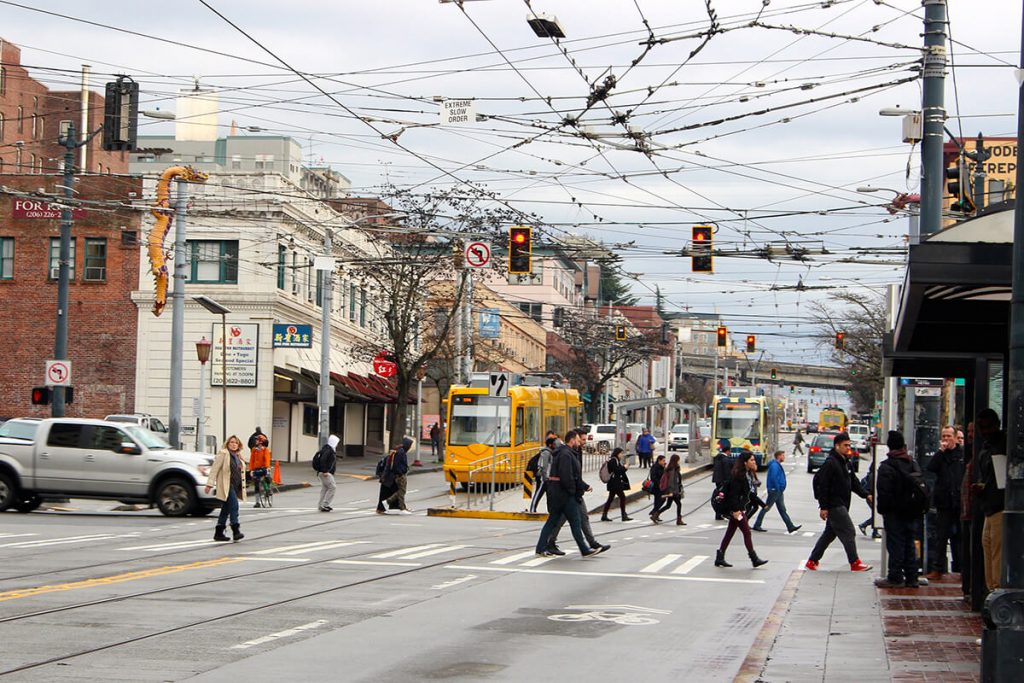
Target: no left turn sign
58 373
478 254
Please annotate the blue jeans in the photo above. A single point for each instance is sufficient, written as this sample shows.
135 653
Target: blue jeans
229 506
777 498
560 505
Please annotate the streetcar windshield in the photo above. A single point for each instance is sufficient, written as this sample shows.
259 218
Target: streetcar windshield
474 419
738 422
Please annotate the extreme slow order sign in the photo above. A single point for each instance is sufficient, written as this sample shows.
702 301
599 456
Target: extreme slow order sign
242 355
36 208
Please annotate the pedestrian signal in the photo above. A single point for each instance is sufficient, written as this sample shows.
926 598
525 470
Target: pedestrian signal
701 249
40 396
520 248
723 336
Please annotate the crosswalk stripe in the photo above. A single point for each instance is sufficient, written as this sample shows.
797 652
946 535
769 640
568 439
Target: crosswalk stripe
57 541
808 534
302 547
171 546
330 546
381 563
513 558
658 565
687 566
403 551
435 551
536 562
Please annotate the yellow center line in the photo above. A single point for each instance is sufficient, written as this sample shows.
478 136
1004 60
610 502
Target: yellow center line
117 578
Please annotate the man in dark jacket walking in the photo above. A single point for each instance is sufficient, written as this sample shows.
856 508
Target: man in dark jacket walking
400 470
902 521
948 467
565 490
833 485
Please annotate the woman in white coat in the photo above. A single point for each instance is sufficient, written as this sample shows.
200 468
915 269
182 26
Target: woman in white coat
227 476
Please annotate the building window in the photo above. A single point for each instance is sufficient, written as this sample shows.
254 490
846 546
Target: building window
362 308
35 126
309 279
3 81
1 125
352 302
55 259
95 263
310 420
32 163
6 258
535 311
17 159
236 162
213 261
21 119
280 265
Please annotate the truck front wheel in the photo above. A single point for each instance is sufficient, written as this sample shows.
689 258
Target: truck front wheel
175 497
8 491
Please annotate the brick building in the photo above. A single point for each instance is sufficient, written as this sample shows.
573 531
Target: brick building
32 116
102 320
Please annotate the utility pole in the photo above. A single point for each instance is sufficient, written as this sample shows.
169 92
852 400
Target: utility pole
60 346
178 318
467 326
325 271
933 114
1002 640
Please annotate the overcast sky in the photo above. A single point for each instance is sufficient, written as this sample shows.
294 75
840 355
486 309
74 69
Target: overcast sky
714 155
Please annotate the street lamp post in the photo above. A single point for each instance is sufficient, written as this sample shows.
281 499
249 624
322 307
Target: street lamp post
215 308
203 353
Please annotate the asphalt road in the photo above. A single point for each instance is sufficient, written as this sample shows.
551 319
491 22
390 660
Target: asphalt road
89 594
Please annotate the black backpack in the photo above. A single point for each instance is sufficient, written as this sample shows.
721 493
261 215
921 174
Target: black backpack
316 461
917 491
532 465
382 466
719 497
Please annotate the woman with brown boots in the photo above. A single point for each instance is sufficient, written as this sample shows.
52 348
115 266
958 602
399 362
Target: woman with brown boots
618 484
740 496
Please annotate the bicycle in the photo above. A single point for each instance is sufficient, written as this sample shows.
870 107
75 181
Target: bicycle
264 488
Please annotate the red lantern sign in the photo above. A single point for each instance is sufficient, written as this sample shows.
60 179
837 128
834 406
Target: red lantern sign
383 366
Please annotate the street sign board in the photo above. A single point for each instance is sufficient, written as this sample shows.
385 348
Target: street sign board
242 355
58 373
921 381
490 323
478 254
498 384
927 391
384 367
454 112
293 336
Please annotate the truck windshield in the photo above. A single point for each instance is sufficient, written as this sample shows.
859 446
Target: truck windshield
475 422
151 441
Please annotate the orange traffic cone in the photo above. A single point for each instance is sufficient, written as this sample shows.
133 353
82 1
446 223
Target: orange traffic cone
277 471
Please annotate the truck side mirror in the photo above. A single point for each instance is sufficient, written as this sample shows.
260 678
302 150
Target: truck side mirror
130 448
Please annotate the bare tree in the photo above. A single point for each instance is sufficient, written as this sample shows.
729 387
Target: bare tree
409 263
861 317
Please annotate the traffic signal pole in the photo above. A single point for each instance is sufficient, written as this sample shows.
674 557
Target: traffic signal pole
933 113
60 346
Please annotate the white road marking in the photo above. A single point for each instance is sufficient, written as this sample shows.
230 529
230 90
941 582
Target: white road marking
537 561
382 564
685 567
42 543
305 547
280 634
16 535
658 565
435 551
361 500
453 582
403 551
274 559
704 526
173 546
513 558
617 575
808 534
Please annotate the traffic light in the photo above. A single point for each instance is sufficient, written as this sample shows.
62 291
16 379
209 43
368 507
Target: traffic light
751 343
40 396
620 332
775 375
840 340
664 333
956 185
792 388
723 335
520 248
701 258
120 115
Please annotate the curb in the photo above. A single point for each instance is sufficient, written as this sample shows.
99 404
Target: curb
757 656
487 514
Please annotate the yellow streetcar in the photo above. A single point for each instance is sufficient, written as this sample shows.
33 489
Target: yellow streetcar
502 433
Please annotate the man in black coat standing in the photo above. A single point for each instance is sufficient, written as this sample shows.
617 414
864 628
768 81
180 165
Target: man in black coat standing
902 521
948 467
833 485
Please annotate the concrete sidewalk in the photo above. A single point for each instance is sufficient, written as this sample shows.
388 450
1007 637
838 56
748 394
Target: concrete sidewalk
835 626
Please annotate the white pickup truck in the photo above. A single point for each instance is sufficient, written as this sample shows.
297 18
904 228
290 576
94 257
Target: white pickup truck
80 458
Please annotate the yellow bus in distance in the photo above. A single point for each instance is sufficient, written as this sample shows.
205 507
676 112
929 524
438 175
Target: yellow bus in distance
832 419
514 425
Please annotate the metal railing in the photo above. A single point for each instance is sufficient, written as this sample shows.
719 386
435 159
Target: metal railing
483 480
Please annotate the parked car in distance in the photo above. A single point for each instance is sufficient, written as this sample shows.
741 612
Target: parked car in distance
19 428
599 437
819 448
82 458
704 429
144 420
679 437
633 432
860 436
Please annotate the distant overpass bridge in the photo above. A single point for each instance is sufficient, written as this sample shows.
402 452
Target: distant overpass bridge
799 374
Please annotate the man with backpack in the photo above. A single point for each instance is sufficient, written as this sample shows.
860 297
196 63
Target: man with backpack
833 484
902 500
324 463
540 465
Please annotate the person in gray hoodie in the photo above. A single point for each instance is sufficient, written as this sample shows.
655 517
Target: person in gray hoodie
399 468
328 461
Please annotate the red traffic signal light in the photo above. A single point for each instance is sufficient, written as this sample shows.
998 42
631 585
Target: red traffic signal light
723 335
840 340
751 343
40 396
701 259
520 248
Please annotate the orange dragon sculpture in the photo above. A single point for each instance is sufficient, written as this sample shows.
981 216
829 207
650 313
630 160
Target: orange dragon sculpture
163 213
